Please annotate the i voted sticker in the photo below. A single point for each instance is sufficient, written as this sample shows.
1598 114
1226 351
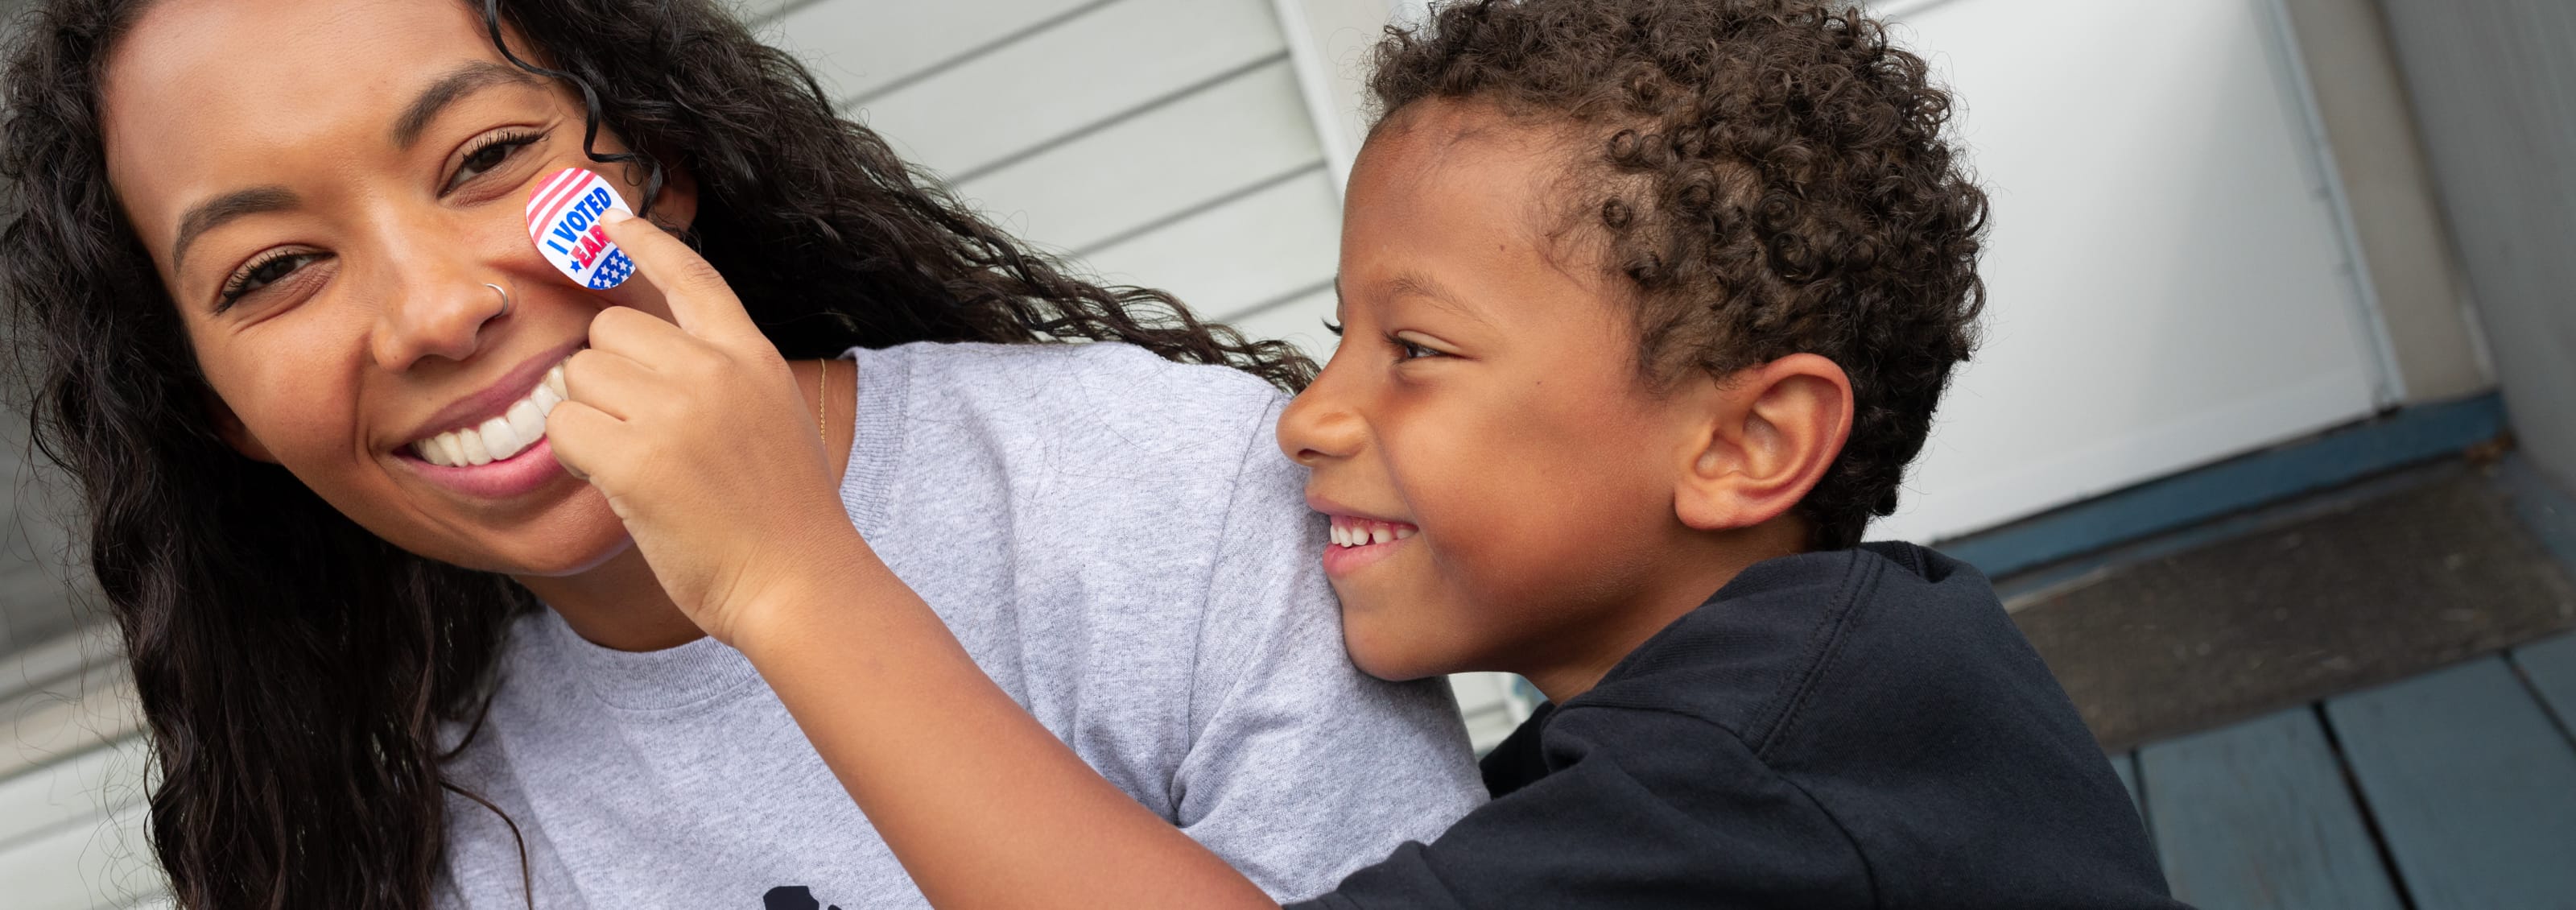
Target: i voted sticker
563 220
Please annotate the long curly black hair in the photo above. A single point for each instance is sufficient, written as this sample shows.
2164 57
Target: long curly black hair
295 671
1769 177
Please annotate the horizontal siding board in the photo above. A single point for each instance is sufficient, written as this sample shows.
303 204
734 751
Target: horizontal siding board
45 726
859 46
90 784
1299 321
2257 815
104 862
2473 784
1485 702
1058 81
1251 251
48 663
1197 148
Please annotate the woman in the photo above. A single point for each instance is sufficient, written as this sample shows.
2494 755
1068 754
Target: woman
267 262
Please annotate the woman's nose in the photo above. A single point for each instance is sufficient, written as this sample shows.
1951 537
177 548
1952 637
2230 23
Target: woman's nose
1320 425
436 310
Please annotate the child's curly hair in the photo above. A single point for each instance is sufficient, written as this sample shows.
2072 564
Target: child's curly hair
1771 179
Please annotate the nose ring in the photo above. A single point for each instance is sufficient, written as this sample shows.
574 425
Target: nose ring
505 298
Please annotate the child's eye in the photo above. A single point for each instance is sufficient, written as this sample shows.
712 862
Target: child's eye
1412 351
491 154
1333 327
261 273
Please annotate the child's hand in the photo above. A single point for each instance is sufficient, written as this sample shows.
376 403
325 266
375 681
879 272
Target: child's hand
698 436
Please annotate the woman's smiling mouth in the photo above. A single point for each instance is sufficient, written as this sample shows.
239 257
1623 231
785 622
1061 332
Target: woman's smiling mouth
516 428
492 444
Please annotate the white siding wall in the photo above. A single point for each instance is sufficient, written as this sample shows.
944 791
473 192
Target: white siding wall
72 780
1160 142
2170 281
1165 143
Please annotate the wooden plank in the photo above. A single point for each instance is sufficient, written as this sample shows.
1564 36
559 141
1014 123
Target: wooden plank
1199 148
2257 816
1250 251
859 46
1107 61
1299 322
87 785
2550 664
2125 764
76 867
2473 785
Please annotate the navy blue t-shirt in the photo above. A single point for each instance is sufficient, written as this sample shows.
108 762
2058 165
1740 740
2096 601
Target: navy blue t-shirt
1854 728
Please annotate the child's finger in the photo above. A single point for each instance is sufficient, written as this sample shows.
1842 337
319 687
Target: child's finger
700 300
582 437
612 383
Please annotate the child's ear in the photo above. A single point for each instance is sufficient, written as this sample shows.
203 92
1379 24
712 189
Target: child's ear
1767 436
229 426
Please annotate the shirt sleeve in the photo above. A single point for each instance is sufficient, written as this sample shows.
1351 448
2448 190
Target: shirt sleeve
1646 809
1302 768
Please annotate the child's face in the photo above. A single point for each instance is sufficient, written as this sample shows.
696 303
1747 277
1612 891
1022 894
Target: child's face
1485 409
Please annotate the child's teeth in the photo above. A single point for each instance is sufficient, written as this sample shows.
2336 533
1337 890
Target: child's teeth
1402 533
1378 533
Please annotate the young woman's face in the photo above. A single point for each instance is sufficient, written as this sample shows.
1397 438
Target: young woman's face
327 188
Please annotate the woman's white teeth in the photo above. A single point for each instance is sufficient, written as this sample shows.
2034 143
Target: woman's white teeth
470 441
526 422
545 399
500 437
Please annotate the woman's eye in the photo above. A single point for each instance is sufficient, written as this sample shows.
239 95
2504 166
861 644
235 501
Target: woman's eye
261 274
487 157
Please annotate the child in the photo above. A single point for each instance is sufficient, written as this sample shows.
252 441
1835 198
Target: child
1646 305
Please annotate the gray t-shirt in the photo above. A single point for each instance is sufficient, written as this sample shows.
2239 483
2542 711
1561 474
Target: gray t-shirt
1118 543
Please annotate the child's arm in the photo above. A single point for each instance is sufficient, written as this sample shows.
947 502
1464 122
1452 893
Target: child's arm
984 806
694 431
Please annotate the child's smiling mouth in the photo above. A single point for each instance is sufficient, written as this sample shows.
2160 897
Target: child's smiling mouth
1358 541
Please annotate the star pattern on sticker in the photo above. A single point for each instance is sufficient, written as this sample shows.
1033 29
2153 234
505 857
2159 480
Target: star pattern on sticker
612 272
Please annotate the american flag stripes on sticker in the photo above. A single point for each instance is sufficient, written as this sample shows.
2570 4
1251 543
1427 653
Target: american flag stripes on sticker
563 221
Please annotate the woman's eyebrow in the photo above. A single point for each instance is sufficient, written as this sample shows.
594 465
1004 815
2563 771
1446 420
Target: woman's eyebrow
458 83
212 213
